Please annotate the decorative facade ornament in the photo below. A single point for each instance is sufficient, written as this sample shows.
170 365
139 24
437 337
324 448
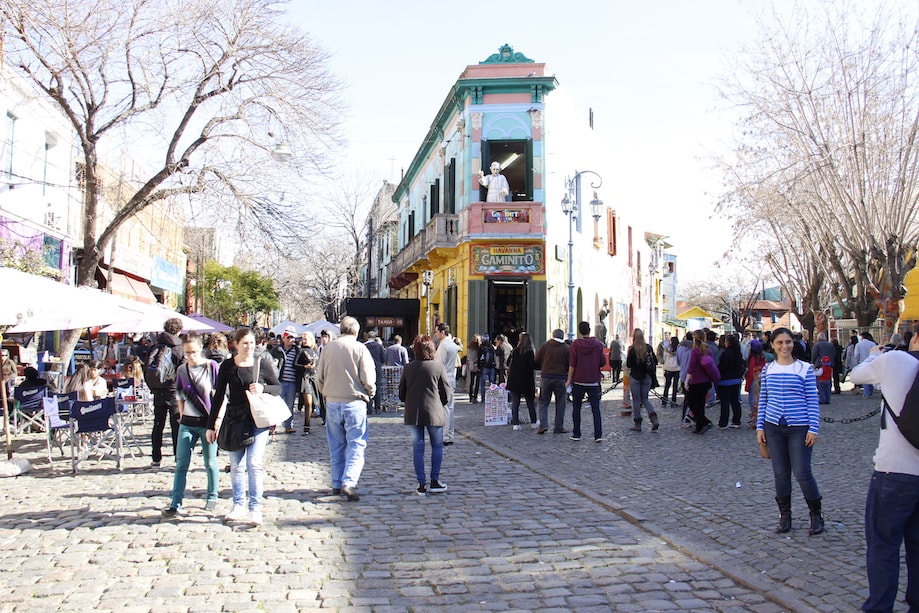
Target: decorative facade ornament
461 126
506 55
536 118
476 121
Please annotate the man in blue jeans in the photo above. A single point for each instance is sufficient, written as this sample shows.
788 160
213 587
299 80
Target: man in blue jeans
285 358
892 507
346 377
585 359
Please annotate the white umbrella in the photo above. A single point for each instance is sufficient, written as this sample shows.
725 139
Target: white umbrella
318 326
279 328
152 321
63 307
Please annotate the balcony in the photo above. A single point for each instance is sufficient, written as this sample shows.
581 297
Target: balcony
442 232
502 218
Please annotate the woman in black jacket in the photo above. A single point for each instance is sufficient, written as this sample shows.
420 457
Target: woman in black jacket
642 364
731 366
521 379
244 372
424 389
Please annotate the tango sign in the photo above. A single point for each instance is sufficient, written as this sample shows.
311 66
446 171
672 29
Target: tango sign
508 259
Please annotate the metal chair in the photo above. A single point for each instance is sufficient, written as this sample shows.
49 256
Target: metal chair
91 432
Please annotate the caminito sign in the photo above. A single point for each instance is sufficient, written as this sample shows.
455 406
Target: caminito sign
508 259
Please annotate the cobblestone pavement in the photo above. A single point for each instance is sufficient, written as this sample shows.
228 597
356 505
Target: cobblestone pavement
664 521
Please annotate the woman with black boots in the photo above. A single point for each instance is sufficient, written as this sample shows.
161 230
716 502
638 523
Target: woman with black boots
788 422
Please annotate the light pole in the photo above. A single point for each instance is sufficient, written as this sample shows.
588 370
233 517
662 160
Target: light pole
571 204
427 279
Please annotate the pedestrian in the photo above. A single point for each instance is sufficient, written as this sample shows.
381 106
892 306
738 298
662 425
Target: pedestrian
892 505
701 373
306 362
671 371
551 360
487 362
503 351
217 349
731 369
285 357
425 390
823 349
378 353
472 364
641 362
788 422
245 372
837 365
195 382
862 349
347 377
755 364
824 373
166 350
78 383
98 386
615 359
585 359
396 354
446 354
521 380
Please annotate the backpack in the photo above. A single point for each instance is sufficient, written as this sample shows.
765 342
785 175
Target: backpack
160 369
908 420
487 357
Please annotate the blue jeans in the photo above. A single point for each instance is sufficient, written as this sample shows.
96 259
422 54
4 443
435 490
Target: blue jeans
253 456
791 455
289 394
640 388
347 431
487 378
188 438
436 434
868 390
577 397
824 389
891 518
549 385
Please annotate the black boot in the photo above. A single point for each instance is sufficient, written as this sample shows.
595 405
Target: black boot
637 426
784 514
655 422
816 508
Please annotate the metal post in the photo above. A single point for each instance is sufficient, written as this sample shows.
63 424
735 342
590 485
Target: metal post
571 215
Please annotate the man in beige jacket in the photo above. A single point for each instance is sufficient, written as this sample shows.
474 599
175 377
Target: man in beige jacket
346 377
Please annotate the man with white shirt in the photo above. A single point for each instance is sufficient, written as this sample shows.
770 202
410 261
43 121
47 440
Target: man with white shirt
892 507
447 355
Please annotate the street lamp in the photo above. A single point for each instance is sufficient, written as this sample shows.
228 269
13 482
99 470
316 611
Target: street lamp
427 279
571 204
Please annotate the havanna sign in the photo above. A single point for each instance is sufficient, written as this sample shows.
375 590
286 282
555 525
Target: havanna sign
508 259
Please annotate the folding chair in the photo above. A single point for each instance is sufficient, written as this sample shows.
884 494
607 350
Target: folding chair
27 412
57 421
91 433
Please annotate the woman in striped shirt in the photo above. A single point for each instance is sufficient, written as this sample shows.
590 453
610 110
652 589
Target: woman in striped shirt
788 421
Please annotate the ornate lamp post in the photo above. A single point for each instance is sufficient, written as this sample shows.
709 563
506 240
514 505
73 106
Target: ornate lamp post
571 204
427 279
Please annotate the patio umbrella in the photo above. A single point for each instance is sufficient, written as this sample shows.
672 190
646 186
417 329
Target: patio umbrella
152 321
69 308
279 328
318 326
215 326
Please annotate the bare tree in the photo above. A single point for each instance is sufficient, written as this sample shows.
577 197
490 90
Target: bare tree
345 214
203 91
734 297
828 151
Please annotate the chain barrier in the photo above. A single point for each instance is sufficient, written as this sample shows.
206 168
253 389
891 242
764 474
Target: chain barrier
851 420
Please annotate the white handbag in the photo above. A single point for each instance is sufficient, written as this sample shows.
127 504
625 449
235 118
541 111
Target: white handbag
267 409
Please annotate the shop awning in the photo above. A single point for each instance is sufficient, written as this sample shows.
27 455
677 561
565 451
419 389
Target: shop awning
125 286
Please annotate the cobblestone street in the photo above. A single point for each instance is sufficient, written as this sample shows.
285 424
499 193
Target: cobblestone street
664 521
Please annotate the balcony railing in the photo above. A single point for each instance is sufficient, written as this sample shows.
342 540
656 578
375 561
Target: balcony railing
442 232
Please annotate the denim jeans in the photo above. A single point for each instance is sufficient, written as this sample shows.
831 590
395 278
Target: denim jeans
165 406
289 394
729 395
592 392
868 390
791 455
436 434
448 408
891 518
249 460
824 389
188 438
487 378
515 407
671 377
347 431
640 388
549 385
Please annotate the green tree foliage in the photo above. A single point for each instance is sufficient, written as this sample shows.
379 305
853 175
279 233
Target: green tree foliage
233 295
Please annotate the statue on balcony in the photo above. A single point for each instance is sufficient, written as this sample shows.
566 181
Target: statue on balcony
498 189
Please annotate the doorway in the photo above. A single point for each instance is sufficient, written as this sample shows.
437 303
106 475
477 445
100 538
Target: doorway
507 313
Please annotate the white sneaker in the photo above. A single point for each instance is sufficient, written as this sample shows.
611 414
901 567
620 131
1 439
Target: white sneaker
535 425
517 427
237 514
255 517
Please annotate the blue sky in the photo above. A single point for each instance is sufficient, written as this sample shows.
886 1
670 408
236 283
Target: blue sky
648 70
